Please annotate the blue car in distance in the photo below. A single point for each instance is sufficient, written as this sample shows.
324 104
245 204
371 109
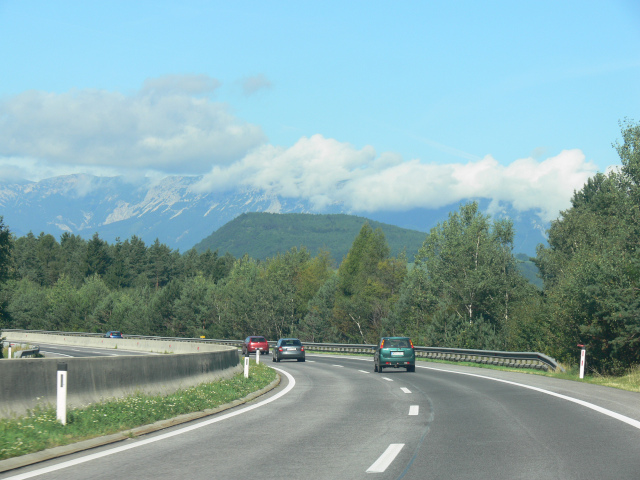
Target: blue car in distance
113 334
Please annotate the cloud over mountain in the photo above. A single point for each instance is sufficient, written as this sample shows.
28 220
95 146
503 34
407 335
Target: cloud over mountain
324 171
172 126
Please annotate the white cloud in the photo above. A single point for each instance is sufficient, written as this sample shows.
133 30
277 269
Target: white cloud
325 171
165 127
170 126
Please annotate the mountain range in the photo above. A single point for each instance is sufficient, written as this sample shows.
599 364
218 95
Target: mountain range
174 211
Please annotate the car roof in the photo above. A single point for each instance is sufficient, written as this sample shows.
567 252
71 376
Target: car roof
394 337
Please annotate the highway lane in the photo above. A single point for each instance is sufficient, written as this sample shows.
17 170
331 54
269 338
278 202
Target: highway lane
60 351
340 418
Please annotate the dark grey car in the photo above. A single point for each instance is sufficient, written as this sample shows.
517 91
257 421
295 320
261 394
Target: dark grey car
288 348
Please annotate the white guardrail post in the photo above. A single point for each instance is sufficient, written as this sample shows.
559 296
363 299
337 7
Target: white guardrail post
61 412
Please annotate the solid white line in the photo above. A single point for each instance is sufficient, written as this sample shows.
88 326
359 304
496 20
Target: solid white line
405 390
386 458
414 409
387 379
610 413
112 451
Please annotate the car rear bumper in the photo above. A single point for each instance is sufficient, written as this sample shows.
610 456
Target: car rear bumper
253 350
285 355
397 362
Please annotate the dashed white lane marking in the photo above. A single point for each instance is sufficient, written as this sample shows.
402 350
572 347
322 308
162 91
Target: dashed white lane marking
339 366
405 390
386 458
414 409
363 371
111 451
387 379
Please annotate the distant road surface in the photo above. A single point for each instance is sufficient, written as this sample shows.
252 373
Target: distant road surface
333 418
51 350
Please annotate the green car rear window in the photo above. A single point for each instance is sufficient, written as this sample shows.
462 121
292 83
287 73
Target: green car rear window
396 343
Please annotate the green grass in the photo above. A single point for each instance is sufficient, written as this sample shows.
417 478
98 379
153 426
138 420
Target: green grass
630 381
40 430
14 349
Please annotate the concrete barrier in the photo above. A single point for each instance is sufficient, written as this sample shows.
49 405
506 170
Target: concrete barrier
27 383
135 344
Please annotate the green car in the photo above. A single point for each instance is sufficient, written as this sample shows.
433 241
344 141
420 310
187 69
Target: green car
394 352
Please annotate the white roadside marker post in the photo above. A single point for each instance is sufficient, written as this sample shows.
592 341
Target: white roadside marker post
9 350
246 365
61 413
583 356
258 356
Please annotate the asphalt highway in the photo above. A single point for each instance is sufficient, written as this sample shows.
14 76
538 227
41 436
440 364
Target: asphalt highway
334 418
59 351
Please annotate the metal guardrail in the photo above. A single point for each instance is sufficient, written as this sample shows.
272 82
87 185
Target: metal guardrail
32 351
531 360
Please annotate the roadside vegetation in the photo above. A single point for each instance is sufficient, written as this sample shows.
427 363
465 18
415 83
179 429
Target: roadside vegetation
40 430
463 288
629 381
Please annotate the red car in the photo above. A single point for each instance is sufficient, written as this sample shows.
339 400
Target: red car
253 343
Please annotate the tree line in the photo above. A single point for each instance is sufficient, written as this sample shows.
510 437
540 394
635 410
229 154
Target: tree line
462 289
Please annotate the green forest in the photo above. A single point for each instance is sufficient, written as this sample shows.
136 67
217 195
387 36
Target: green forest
262 235
462 289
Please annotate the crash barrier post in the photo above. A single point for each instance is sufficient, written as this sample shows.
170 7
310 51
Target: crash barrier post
583 357
61 379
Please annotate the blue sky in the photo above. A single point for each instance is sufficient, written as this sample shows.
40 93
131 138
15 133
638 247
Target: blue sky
379 105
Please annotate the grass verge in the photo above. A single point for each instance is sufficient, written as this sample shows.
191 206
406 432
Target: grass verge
40 430
630 381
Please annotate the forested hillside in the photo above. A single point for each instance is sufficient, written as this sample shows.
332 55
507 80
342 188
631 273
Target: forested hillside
264 235
464 290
